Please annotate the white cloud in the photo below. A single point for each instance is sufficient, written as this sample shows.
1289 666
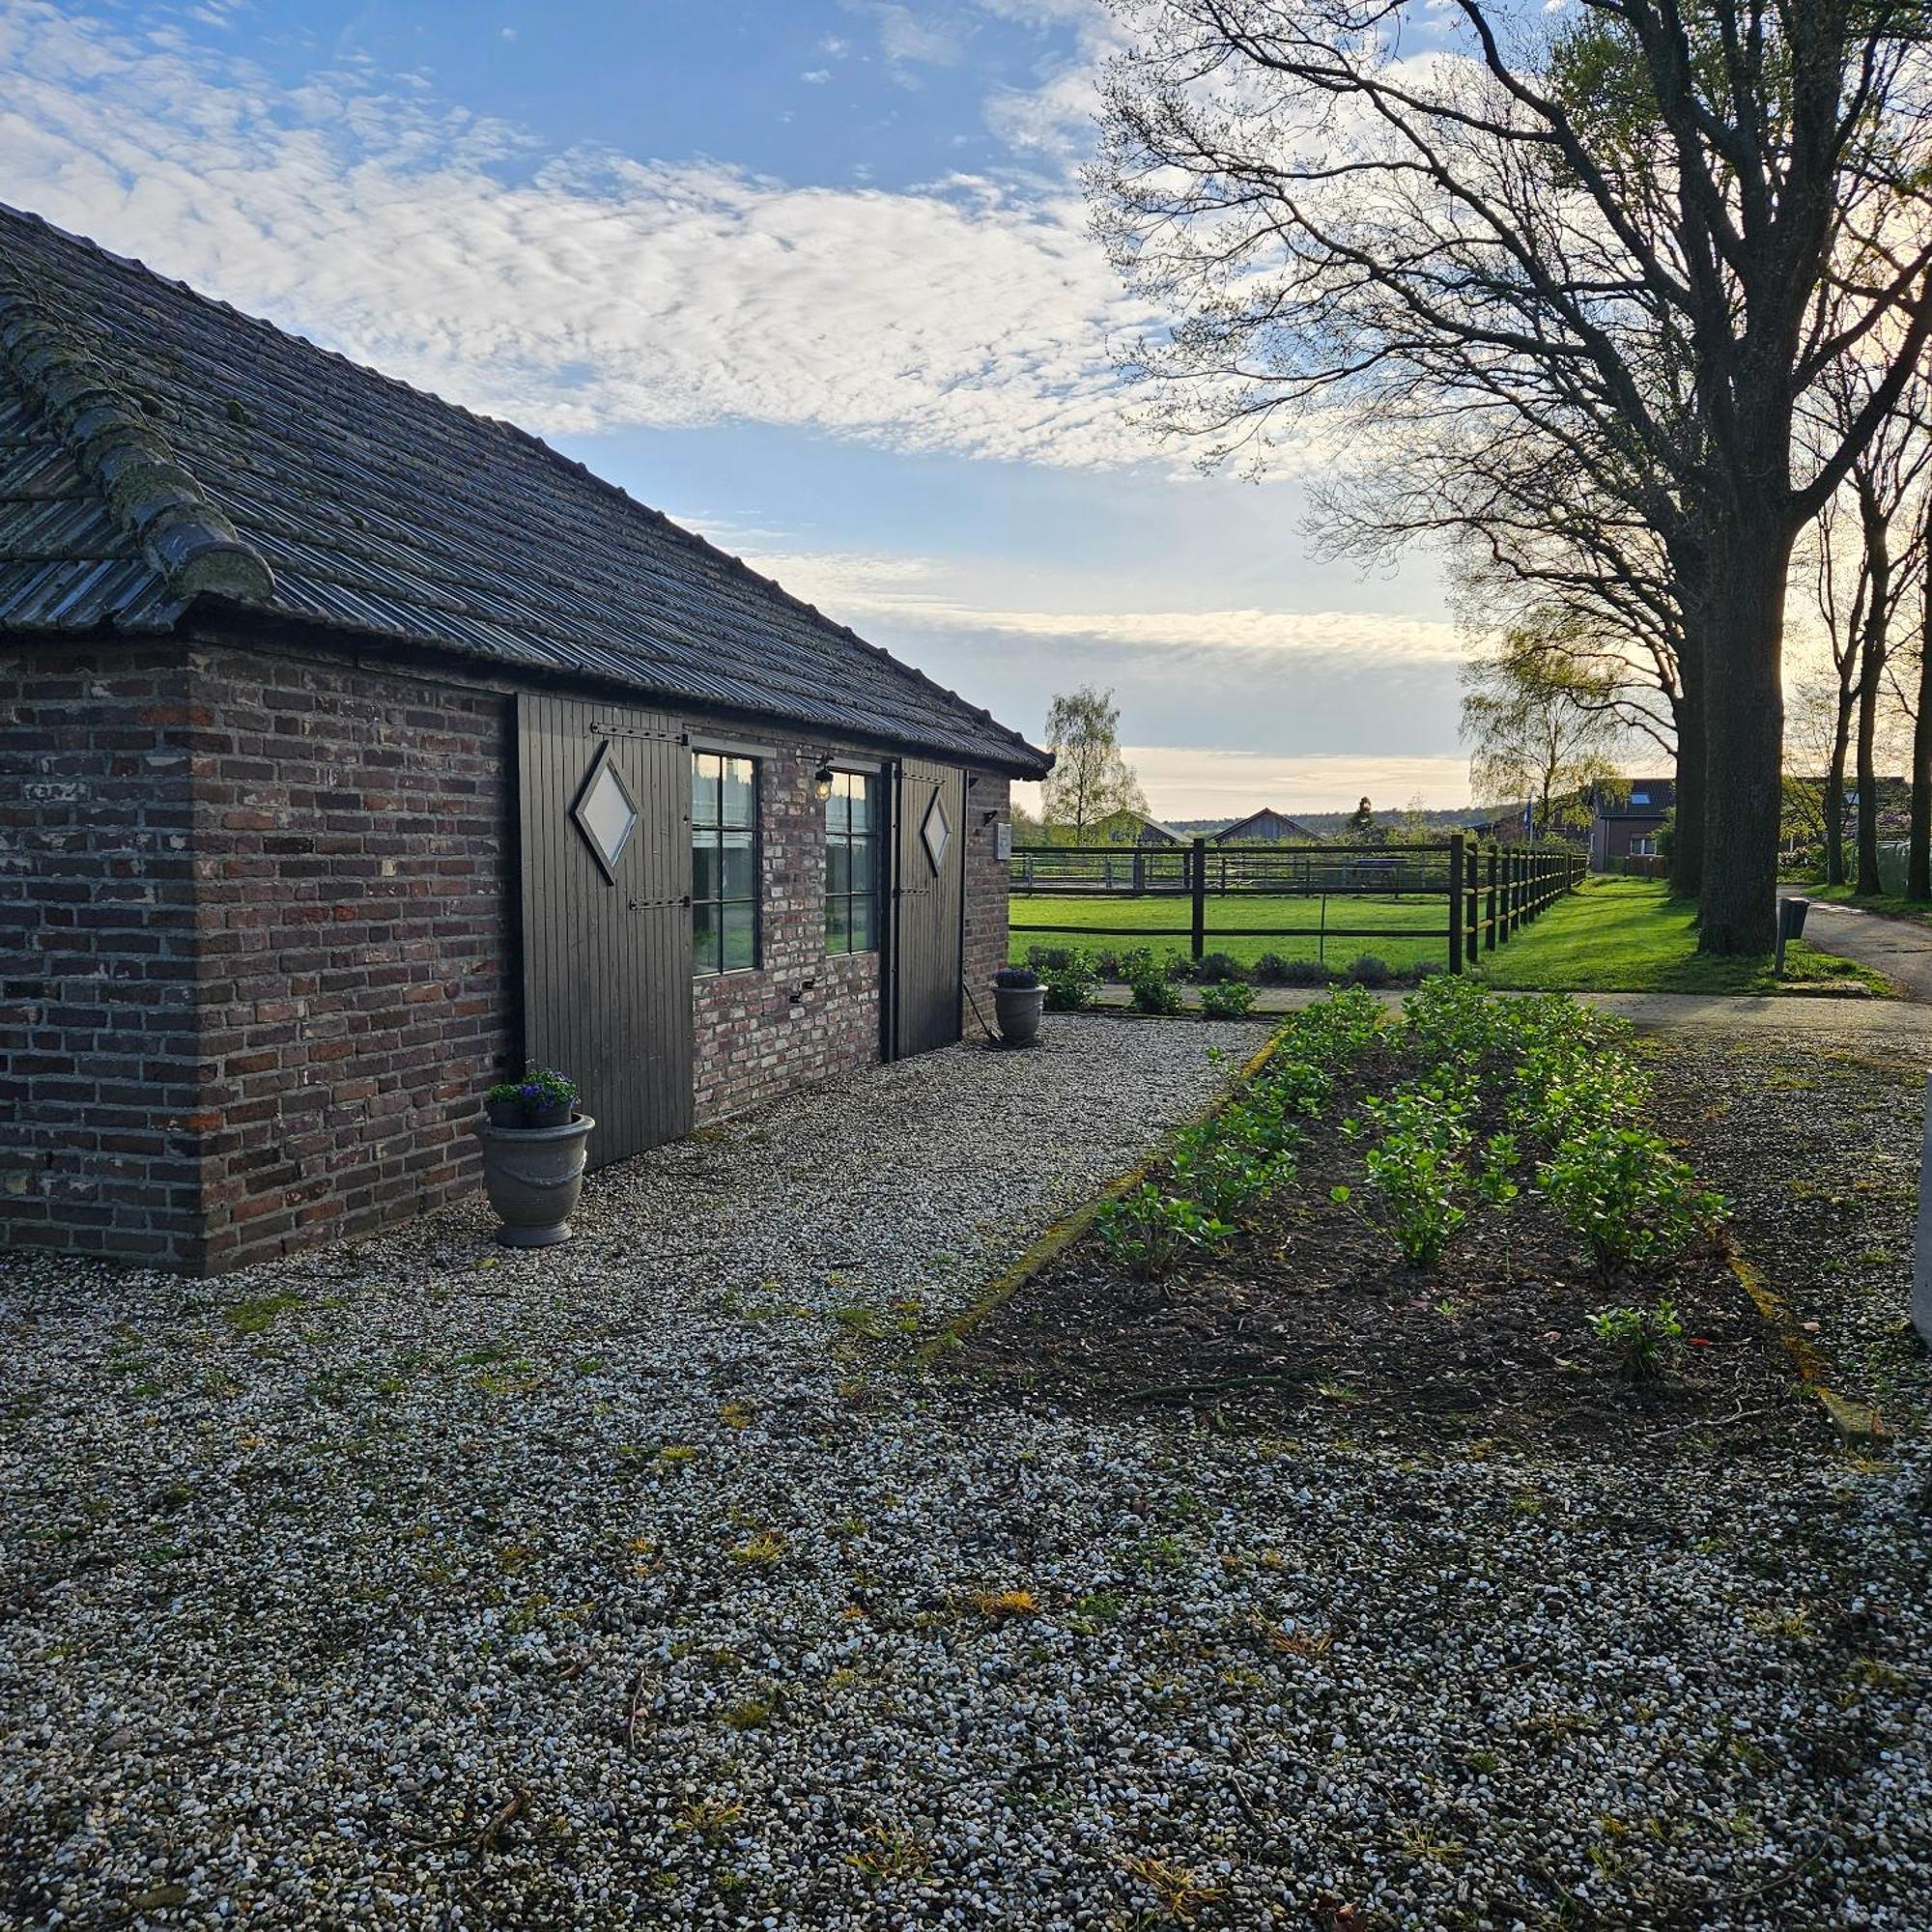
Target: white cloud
920 594
816 76
581 290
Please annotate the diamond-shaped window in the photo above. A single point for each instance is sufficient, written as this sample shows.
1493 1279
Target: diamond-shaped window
937 833
604 812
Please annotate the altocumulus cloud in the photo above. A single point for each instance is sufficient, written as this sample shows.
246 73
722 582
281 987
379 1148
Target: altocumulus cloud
573 292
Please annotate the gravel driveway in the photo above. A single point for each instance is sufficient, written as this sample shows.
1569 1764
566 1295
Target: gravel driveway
419 1583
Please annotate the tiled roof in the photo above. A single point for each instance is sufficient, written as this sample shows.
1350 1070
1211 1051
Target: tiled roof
157 447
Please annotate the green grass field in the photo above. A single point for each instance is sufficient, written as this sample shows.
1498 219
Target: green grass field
1630 936
1389 917
1613 935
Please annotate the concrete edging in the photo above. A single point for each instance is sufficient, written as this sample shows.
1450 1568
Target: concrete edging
1855 1421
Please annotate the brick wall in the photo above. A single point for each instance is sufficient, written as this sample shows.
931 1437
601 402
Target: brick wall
800 1016
258 946
98 1048
986 886
356 943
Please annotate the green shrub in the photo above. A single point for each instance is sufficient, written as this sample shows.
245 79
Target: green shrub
1305 973
1218 969
1177 966
1370 971
1070 987
1415 1170
1226 1002
1645 1343
1270 970
1152 1232
1626 1193
1153 992
1045 959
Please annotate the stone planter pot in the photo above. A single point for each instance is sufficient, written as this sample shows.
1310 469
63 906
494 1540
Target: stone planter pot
504 1112
534 1176
1018 1009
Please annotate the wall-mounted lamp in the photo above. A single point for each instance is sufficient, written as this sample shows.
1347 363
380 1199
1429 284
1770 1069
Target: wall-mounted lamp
821 780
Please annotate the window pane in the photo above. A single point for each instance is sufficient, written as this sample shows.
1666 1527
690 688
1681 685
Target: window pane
740 936
865 863
704 787
705 876
837 929
837 867
740 792
862 802
863 937
704 938
838 806
741 868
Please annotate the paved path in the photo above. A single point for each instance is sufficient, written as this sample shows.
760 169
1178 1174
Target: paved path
1894 1024
1901 949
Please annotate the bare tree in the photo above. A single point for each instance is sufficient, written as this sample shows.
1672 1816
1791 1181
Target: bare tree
1860 597
1647 235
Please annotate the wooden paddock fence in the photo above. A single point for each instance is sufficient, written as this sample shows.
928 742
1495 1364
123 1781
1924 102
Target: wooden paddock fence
1488 892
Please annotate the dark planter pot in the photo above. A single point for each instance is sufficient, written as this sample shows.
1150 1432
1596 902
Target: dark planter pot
558 1116
1018 1009
503 1113
534 1176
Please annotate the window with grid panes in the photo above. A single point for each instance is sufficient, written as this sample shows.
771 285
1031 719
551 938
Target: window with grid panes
852 863
724 863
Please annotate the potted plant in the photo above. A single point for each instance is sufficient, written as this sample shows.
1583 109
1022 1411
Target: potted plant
533 1137
1017 1000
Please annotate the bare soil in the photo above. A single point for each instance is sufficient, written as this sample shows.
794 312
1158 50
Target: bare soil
1311 1324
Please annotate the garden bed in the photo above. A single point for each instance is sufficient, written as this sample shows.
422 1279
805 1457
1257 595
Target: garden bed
1303 1316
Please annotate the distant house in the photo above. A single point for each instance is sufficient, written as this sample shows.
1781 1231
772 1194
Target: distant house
1266 827
1626 827
1131 828
1511 828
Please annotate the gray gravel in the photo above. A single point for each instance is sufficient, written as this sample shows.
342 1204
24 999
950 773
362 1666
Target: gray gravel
315 1576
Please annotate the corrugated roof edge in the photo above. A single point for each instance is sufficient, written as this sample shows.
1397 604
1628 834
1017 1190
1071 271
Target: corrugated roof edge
185 538
1028 756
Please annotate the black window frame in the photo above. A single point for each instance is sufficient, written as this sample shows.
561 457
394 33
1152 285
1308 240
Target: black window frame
844 839
709 961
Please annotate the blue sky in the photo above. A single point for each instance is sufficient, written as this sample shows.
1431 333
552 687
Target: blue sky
812 277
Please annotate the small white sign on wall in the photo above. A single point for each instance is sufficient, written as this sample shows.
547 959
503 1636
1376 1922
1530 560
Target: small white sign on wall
1003 841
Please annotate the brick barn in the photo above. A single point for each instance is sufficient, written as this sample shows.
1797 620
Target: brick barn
356 750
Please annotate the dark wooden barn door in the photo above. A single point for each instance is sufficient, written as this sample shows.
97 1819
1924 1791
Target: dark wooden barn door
604 793
928 873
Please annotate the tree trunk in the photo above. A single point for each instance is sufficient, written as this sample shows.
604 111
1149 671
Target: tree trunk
1869 879
1690 710
1687 833
1744 805
1834 791
1918 852
1872 644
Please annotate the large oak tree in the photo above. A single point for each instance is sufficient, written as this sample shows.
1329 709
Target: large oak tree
1643 229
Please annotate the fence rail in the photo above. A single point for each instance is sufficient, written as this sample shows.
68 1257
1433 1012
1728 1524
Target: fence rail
1488 892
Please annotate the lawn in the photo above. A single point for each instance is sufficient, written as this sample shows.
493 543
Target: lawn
1612 935
1161 924
1630 936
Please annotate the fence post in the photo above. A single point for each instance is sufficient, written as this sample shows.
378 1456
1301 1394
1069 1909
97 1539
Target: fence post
1199 883
1490 906
1455 902
1472 906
